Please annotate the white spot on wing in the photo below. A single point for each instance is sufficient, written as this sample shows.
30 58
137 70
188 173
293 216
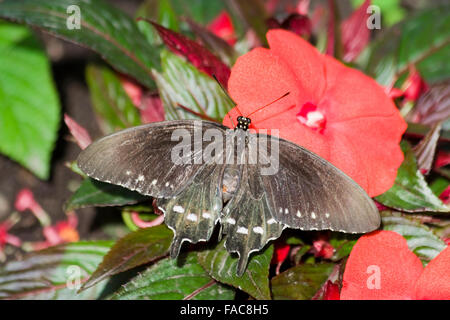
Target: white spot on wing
327 215
242 230
258 230
271 221
128 172
178 209
154 181
140 178
167 184
231 221
313 215
192 217
206 215
299 214
286 211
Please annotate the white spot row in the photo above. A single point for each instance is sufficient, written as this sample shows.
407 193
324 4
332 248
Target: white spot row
242 230
192 217
178 209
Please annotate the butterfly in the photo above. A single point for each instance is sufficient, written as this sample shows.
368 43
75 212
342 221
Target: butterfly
230 189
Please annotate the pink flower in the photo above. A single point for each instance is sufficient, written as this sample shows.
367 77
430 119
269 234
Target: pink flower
25 201
5 236
82 137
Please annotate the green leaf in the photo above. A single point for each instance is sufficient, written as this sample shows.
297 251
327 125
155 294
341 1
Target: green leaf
253 14
342 244
172 279
53 273
93 193
112 104
421 239
416 41
439 185
103 28
160 11
181 83
199 10
410 191
300 282
222 266
135 249
29 105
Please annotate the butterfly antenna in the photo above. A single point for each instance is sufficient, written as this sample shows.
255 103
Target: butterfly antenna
284 95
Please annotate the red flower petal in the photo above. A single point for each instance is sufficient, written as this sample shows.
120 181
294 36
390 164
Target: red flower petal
361 128
434 283
222 26
302 58
281 252
331 291
384 254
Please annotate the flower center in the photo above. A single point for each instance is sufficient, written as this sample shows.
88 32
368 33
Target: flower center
311 117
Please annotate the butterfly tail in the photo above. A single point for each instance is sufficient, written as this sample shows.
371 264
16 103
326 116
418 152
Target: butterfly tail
242 265
175 247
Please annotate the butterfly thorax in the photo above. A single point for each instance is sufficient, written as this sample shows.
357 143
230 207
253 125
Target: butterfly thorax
243 123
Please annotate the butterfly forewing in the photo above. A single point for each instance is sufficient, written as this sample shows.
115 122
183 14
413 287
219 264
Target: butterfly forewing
309 193
140 158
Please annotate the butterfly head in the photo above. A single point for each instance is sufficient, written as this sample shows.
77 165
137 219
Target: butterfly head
243 123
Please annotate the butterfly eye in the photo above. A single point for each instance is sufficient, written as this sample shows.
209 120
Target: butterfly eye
239 118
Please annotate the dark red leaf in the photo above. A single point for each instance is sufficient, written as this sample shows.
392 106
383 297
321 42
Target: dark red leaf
434 105
299 24
354 32
195 53
426 149
214 43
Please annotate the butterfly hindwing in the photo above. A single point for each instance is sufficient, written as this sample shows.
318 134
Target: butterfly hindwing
193 213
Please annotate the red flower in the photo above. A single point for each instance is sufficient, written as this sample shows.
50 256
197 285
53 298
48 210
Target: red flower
322 248
281 252
222 26
332 110
62 232
331 291
382 267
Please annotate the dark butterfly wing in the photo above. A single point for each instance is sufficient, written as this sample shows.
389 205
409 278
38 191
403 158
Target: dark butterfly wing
193 213
140 158
306 192
309 193
247 220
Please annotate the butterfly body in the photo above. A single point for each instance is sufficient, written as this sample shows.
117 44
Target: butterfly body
254 185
